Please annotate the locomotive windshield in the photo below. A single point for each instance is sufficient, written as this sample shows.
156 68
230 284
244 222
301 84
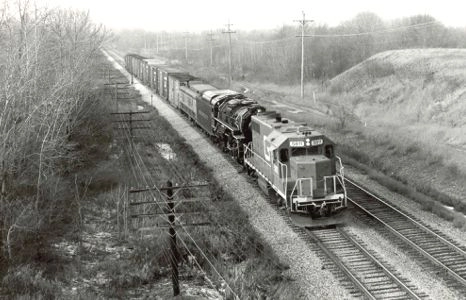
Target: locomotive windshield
303 151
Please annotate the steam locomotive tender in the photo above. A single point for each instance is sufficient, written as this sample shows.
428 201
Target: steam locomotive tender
291 160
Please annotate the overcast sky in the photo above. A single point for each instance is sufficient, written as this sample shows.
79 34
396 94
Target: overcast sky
198 15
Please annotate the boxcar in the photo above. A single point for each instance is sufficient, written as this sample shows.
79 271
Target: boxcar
175 82
203 108
163 83
187 102
151 71
134 64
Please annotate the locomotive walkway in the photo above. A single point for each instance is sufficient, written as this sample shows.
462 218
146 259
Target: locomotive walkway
310 281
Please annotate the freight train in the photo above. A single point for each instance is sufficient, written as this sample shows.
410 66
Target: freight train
292 161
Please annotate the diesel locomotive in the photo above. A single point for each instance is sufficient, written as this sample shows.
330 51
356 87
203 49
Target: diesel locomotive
292 161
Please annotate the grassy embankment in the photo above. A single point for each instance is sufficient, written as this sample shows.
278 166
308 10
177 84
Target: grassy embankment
398 116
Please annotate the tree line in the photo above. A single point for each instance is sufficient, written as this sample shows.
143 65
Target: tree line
45 84
275 55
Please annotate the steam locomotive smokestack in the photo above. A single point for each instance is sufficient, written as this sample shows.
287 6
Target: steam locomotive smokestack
278 118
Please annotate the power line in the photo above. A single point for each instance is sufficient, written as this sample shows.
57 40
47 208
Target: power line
394 29
137 157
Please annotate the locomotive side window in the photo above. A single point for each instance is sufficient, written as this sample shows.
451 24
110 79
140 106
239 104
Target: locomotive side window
329 151
284 155
255 126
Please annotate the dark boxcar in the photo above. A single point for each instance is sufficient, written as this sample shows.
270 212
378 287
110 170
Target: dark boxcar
153 63
175 82
133 64
204 110
164 72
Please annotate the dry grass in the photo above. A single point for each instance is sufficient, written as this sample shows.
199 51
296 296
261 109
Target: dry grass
420 89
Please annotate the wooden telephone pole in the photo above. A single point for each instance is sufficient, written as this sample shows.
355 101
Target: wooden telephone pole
169 188
186 35
211 42
172 233
303 22
229 32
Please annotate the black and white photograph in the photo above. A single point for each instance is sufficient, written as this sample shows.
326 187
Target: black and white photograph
211 150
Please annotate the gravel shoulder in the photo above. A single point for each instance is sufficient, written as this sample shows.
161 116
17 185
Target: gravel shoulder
304 266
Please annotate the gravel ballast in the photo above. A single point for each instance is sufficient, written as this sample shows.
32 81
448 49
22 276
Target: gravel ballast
304 266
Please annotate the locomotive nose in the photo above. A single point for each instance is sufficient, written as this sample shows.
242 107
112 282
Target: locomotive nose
314 167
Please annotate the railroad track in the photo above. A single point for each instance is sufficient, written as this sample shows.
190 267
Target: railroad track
434 246
367 272
395 289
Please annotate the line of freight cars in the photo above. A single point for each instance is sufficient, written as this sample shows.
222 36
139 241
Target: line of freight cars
293 162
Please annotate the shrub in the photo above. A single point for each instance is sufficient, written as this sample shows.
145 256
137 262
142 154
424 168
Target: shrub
459 220
25 280
442 212
377 69
427 205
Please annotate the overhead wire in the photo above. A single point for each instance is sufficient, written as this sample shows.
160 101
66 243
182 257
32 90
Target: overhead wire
388 30
137 155
131 160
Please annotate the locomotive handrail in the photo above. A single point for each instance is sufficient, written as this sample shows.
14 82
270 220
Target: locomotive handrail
334 183
341 166
260 157
285 176
299 181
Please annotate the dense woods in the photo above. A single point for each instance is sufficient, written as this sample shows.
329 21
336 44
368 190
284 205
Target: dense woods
275 55
45 95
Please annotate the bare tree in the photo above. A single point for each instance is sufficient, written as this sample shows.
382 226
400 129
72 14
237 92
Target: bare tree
44 79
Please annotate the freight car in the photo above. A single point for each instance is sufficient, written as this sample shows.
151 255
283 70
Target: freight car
291 160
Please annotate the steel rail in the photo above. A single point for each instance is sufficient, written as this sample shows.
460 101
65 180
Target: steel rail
407 240
341 266
417 223
376 261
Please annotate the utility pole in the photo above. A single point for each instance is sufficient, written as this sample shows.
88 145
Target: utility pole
229 31
186 34
171 203
172 233
211 40
303 24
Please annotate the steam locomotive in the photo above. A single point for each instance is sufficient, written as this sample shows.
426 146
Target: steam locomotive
292 161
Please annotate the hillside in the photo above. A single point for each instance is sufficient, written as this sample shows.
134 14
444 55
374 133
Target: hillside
421 90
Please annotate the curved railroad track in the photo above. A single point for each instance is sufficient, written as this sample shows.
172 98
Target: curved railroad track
372 278
443 252
434 246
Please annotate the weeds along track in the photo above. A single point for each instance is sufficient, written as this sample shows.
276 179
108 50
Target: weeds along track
371 276
442 252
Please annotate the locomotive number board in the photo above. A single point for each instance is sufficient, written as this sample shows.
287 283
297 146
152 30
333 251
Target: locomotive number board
317 142
296 143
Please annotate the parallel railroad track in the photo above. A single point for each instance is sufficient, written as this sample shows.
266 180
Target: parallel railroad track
442 252
367 272
434 246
